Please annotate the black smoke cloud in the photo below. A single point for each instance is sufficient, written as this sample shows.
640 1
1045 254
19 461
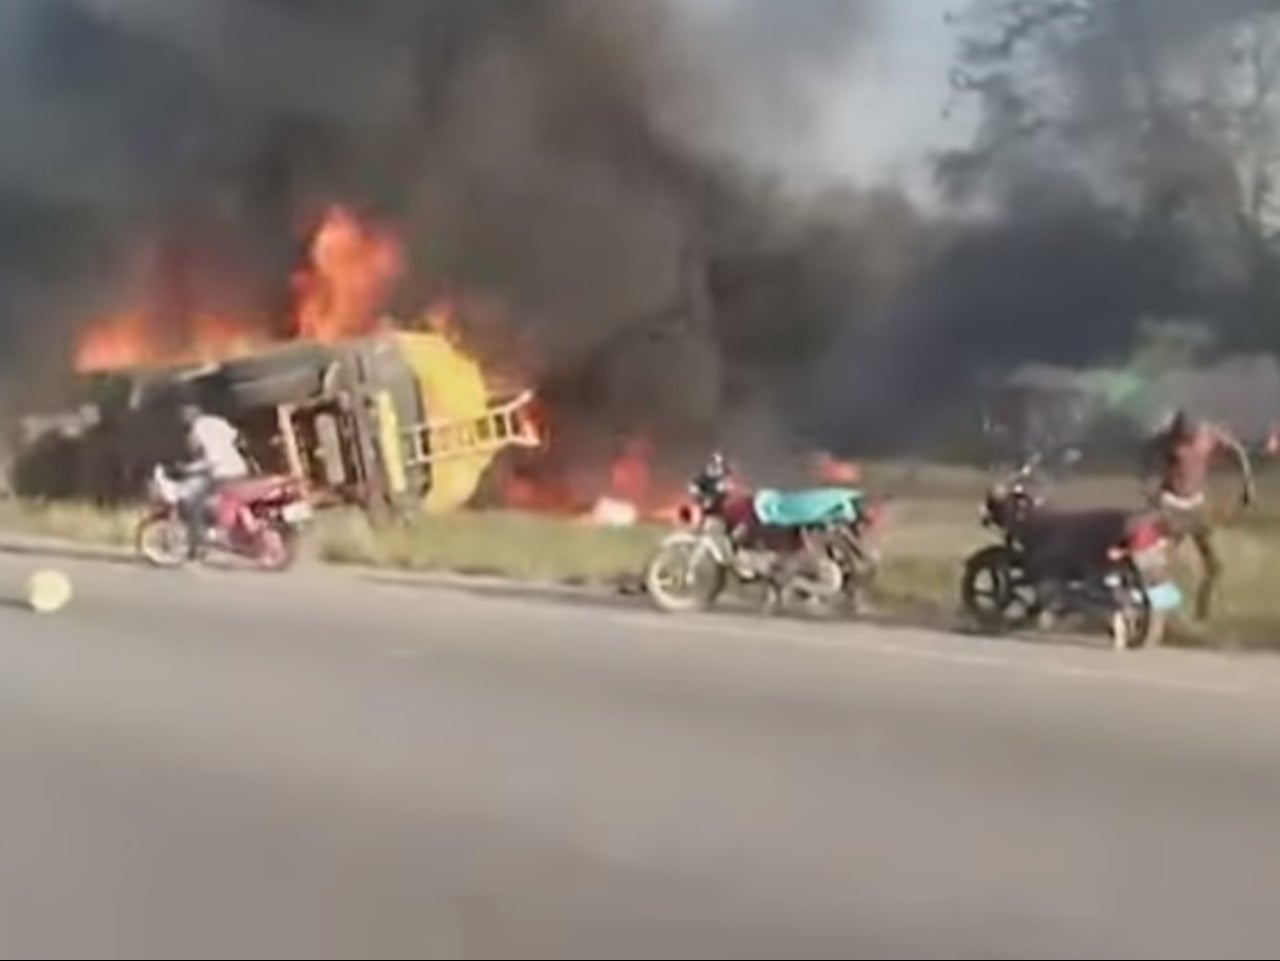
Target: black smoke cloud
1113 178
577 160
591 166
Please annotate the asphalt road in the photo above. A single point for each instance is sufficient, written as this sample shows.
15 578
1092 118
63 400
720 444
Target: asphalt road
216 765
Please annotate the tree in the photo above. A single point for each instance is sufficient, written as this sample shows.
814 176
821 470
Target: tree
1165 110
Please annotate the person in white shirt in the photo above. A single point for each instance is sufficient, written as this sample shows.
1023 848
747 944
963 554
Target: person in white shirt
215 448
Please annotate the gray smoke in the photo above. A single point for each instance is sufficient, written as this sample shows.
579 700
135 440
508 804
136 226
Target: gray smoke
569 158
1124 169
593 168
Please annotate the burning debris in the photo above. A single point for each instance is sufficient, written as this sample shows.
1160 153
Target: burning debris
562 158
592 174
367 410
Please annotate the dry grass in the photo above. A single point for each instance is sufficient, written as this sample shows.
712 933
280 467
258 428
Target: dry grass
76 522
933 524
521 546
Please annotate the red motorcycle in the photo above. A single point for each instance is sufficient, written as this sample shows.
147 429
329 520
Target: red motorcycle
258 518
809 546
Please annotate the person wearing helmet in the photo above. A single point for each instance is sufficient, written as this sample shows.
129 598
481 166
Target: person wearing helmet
1179 457
214 445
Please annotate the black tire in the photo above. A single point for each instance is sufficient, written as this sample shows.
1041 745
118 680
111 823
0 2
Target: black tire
312 357
1135 607
282 376
270 392
992 593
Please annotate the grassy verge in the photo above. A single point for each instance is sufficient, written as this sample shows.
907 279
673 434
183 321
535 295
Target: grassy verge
64 521
522 546
928 536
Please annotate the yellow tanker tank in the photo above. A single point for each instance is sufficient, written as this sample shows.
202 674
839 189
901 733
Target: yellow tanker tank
464 429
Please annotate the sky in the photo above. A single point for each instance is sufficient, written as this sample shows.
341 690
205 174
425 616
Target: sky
881 121
880 116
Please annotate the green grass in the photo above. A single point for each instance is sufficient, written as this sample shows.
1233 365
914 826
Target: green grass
932 526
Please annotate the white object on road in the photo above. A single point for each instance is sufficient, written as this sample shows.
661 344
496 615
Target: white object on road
48 591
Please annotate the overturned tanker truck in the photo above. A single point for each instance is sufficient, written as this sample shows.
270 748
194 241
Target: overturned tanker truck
397 421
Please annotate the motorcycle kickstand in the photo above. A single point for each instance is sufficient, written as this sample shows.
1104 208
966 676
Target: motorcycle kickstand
771 604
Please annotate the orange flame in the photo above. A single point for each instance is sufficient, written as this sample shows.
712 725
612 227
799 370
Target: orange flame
119 341
631 476
349 278
832 470
352 272
128 339
627 493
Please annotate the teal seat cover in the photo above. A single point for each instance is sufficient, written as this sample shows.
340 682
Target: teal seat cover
814 505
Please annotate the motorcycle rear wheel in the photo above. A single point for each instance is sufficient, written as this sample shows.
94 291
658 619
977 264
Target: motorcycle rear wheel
277 547
817 586
861 568
1134 624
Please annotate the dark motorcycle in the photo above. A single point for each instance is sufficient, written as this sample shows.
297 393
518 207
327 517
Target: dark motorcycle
808 547
1108 563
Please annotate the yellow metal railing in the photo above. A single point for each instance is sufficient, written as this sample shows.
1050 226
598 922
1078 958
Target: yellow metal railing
504 425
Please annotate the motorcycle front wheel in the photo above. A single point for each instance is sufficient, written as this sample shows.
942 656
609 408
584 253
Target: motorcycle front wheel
163 541
684 575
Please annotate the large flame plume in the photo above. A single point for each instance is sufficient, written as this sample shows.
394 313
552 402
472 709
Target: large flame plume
350 274
342 291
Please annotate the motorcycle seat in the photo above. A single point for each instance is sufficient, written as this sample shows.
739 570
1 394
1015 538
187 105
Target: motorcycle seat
1105 526
253 489
1072 542
798 508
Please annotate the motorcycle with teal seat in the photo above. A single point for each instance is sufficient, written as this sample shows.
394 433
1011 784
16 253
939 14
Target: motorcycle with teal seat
809 548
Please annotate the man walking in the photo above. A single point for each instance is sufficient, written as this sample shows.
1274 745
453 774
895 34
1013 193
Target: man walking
1180 457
